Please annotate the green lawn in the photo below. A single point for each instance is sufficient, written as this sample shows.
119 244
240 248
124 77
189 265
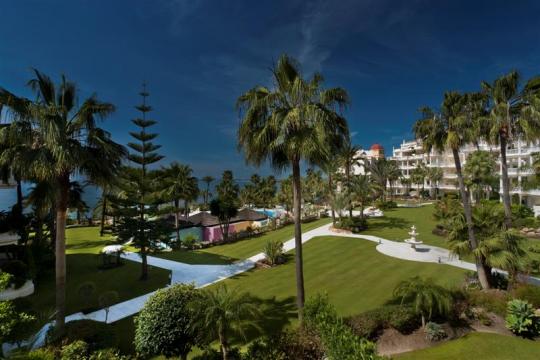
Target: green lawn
239 250
396 223
83 244
355 276
479 346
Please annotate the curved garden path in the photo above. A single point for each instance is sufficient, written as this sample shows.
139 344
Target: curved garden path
204 275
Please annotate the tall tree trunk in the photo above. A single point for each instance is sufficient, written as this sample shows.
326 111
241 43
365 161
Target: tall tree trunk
103 211
19 194
297 193
506 185
482 275
60 252
177 219
144 263
224 345
331 191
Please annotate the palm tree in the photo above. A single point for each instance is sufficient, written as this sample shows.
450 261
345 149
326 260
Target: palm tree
56 139
425 296
378 169
393 175
418 175
406 182
76 201
330 168
361 191
506 103
221 313
435 175
349 158
479 171
294 121
500 249
208 180
450 129
179 185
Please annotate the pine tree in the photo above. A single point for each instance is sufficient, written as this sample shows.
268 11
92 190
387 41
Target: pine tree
138 217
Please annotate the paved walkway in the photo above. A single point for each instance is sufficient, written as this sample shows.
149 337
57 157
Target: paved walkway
204 275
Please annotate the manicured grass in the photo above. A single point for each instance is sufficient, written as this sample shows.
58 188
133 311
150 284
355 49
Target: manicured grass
239 250
355 276
396 224
479 346
83 263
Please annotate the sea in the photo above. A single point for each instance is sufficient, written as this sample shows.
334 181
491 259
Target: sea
8 197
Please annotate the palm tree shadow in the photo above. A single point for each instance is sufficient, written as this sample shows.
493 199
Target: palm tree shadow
389 222
276 315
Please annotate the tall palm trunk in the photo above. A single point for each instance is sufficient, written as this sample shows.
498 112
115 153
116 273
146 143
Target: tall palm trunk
331 190
297 193
224 345
60 251
103 210
483 276
177 219
505 184
19 194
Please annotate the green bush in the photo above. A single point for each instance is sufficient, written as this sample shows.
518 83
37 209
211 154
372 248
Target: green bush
38 354
435 332
529 293
385 205
339 341
18 270
370 324
521 319
273 252
213 354
163 327
354 224
521 212
298 344
189 241
491 300
96 334
77 350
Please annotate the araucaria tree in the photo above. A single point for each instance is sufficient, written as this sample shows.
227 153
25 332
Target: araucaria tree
55 139
142 191
294 120
450 129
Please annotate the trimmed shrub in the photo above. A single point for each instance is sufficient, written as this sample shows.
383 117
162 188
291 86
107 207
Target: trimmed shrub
529 293
339 341
86 292
213 354
298 344
18 270
354 224
370 324
521 319
163 327
385 205
491 300
435 332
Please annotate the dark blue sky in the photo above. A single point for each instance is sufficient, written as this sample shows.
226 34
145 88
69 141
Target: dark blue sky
199 56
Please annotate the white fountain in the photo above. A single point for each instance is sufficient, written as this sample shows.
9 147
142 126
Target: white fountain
413 241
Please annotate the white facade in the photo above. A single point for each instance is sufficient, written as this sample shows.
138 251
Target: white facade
519 157
364 157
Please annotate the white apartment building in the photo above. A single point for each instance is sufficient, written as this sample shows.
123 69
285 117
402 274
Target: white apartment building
519 157
376 151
